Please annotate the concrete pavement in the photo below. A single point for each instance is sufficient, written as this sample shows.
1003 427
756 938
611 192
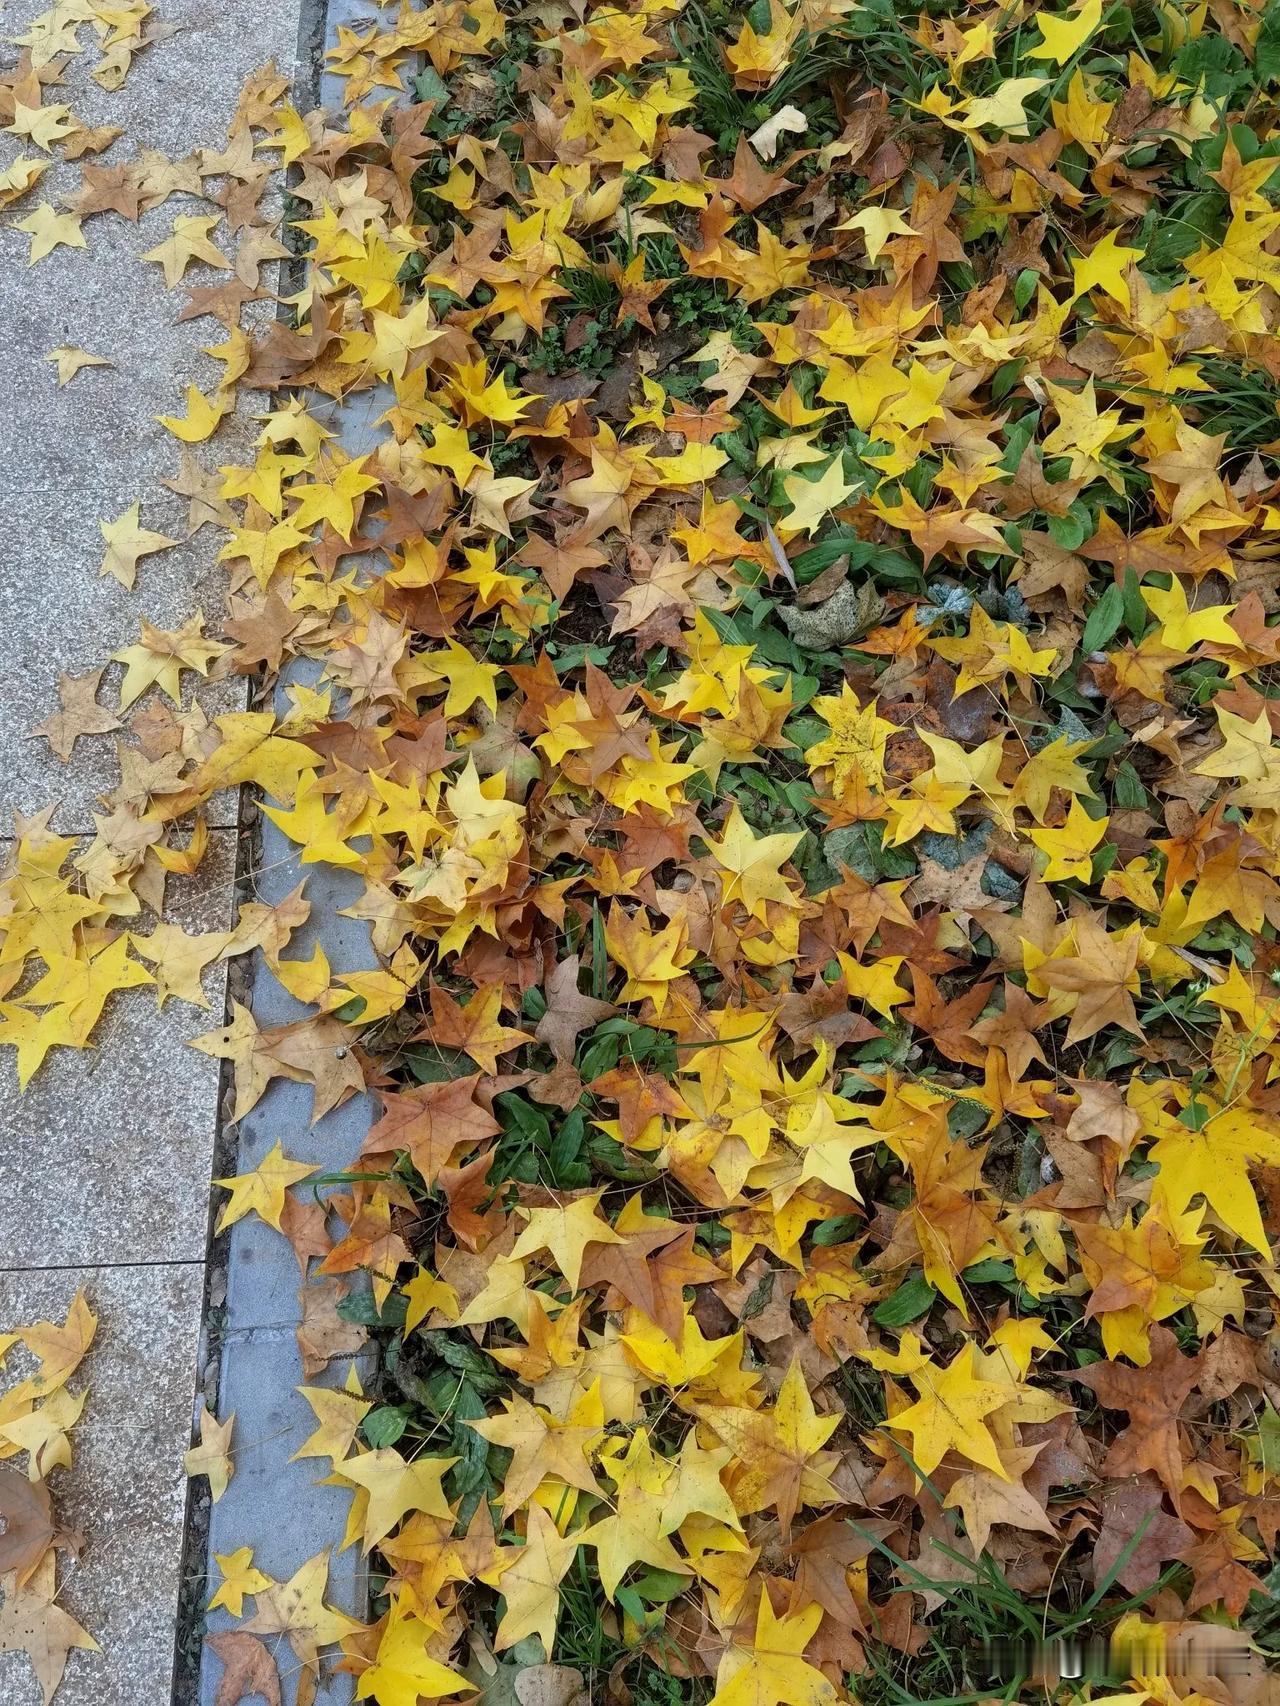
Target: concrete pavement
105 1162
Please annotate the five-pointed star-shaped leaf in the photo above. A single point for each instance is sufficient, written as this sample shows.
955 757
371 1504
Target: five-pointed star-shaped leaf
752 864
159 658
201 419
180 959
813 500
566 1230
950 1415
32 1621
127 541
1213 1161
186 243
50 230
1153 1397
262 1191
781 1461
80 714
528 1578
297 1610
633 1532
239 1578
212 1457
339 1415
69 360
249 1667
403 1673
394 1487
769 1670
541 1447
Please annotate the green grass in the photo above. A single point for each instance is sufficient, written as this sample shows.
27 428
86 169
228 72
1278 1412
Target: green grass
1240 399
983 1611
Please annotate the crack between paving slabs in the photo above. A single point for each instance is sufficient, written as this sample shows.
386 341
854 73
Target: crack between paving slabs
95 1267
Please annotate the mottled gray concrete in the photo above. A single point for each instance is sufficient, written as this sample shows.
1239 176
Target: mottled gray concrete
105 1162
106 1157
126 1489
82 454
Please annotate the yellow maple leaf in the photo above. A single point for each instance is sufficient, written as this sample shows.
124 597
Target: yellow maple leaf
403 1672
127 541
393 1488
50 230
1103 268
1213 1161
262 1191
564 1231
1071 847
950 1415
855 748
250 751
769 1671
529 1578
239 1579
1082 434
212 1457
813 500
159 658
201 419
1181 628
992 650
633 1532
753 864
651 959
1062 37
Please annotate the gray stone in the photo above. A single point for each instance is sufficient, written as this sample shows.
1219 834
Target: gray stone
260 1365
126 1489
278 1507
106 1156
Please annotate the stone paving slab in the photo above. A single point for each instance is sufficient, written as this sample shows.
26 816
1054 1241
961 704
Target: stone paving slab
126 1489
106 1156
82 454
106 1160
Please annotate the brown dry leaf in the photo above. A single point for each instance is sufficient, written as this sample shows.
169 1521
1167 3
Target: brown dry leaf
551 1685
28 1523
80 714
569 1012
249 1669
1127 1507
322 1333
1153 1397
32 1622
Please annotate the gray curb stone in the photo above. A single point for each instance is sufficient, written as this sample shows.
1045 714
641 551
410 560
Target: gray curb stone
280 1508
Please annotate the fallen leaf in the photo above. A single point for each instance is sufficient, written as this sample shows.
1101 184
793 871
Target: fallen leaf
69 360
248 1669
212 1457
